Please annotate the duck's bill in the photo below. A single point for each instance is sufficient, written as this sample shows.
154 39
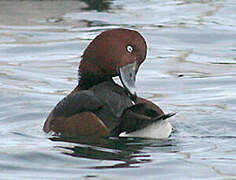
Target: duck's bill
127 76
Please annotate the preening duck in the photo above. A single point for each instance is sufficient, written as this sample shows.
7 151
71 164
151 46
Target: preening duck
98 107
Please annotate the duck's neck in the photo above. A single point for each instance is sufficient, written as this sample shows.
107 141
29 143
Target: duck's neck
89 80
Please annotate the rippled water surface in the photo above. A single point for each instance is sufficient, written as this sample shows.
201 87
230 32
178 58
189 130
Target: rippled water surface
190 69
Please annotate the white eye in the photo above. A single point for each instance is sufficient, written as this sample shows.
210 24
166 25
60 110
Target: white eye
130 48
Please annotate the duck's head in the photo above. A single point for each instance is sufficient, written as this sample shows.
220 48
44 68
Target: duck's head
117 52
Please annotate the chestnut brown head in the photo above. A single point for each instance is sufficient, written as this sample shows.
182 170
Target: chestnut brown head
117 52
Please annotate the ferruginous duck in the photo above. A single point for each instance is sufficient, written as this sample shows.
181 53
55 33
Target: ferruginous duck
98 107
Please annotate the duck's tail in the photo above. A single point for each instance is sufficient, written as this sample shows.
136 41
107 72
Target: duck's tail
163 117
132 121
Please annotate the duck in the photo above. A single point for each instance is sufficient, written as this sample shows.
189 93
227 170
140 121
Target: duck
99 107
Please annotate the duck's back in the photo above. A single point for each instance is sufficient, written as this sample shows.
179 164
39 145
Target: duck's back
114 101
106 100
112 96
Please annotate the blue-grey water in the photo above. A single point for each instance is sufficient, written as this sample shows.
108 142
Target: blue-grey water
190 69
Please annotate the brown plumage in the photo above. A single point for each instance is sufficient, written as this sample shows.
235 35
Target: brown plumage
98 107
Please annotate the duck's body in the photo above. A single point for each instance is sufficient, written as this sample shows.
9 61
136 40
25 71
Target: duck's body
98 107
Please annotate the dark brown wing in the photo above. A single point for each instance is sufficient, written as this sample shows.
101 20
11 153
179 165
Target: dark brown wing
73 116
114 101
104 102
77 102
139 116
113 97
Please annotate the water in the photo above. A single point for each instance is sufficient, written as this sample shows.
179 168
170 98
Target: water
190 69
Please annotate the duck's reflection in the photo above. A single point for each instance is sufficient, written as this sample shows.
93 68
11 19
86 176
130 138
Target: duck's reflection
128 152
98 5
